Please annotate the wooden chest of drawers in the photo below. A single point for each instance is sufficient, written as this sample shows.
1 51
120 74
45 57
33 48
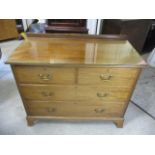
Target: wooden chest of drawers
76 76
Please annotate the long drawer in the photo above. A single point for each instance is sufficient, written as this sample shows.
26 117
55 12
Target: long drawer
107 76
69 109
45 75
73 92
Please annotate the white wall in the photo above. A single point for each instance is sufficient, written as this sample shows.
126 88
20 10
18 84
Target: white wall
92 26
24 24
42 20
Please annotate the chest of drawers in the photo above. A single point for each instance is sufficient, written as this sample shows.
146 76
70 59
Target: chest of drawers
75 76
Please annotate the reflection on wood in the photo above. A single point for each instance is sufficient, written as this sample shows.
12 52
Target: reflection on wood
60 50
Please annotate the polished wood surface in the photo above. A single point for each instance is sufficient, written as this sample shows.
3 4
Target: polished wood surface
72 50
8 29
72 103
52 92
31 120
107 76
55 75
45 92
101 93
33 74
48 109
56 82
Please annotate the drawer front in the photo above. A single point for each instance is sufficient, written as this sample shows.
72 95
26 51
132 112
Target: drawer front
100 93
75 103
28 74
61 109
108 76
73 92
45 92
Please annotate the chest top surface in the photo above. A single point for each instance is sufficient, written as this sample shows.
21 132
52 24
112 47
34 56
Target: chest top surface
75 50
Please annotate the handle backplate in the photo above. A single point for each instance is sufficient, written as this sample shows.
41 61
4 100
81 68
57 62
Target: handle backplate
45 77
99 110
101 95
51 110
105 77
47 94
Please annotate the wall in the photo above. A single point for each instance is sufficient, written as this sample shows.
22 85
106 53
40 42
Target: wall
92 26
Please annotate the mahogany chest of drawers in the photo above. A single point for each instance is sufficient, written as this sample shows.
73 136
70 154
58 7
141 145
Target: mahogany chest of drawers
62 76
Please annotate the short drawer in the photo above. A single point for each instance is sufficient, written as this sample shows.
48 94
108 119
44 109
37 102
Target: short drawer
100 93
45 92
35 74
61 109
108 76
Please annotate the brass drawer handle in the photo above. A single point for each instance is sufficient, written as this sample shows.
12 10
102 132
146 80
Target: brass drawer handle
47 94
102 94
105 77
45 77
51 110
99 110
